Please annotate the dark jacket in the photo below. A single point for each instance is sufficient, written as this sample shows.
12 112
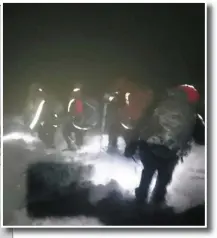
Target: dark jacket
170 123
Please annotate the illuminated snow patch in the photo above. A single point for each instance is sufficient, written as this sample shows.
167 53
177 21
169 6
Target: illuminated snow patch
106 167
126 174
98 143
19 136
94 144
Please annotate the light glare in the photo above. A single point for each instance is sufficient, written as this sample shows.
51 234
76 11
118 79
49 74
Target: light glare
37 115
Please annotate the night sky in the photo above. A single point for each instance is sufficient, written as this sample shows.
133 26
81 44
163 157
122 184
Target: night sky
160 45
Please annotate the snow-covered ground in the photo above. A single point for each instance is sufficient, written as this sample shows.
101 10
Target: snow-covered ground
187 188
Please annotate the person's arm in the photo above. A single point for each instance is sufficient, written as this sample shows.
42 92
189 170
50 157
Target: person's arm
142 122
133 138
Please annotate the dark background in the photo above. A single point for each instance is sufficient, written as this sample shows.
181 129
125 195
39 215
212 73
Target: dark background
159 45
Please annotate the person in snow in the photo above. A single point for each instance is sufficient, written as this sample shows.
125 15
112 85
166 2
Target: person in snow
36 96
42 113
115 103
162 137
125 108
81 116
52 119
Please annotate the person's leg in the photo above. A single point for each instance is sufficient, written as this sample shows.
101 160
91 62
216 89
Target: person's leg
67 130
165 173
49 139
113 137
143 189
52 137
126 135
148 161
49 132
113 127
79 137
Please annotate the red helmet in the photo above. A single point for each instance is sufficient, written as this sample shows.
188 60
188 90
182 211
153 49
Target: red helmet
192 93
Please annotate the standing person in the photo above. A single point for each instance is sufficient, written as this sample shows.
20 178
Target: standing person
125 109
116 103
74 110
163 136
33 109
81 116
52 119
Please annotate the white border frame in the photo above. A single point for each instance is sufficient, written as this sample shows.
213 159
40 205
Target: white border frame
105 227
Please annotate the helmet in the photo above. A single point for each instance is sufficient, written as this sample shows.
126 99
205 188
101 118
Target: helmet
191 92
36 87
36 90
77 87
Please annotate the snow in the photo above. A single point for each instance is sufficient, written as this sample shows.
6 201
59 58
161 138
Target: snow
186 189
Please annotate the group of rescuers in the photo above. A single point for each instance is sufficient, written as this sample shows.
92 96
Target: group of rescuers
160 129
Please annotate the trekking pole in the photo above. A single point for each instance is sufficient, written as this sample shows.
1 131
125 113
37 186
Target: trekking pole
103 125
